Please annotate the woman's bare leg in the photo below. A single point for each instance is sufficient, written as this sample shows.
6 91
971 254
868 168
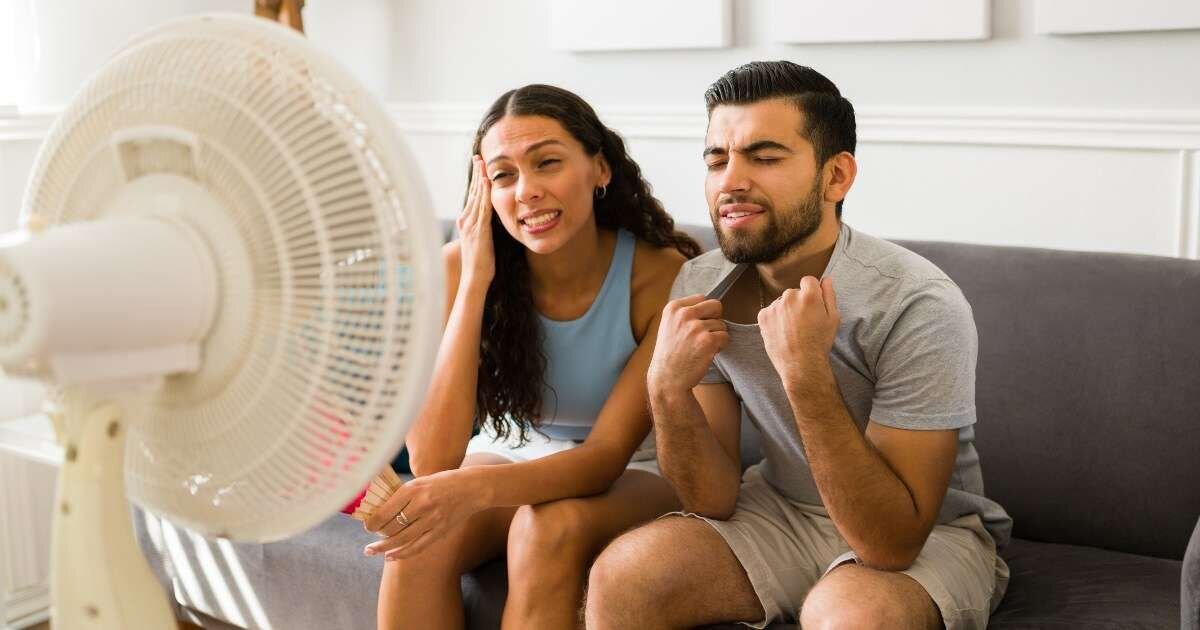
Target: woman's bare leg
551 546
423 591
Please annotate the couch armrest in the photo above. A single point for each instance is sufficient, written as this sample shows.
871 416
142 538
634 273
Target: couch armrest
1190 584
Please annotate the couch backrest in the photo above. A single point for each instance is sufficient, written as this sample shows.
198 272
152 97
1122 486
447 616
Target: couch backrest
1088 391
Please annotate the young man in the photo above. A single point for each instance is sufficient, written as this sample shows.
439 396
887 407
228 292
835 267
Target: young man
854 357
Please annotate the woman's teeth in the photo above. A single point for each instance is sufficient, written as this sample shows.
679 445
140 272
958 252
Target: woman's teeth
542 219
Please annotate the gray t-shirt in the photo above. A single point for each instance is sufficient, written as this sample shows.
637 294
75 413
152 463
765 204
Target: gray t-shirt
904 357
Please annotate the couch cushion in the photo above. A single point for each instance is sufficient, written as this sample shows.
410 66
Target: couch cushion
321 580
1069 587
1086 391
1053 586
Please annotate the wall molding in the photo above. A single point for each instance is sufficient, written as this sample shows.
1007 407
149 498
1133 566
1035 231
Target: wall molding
16 125
1174 132
1100 129
1162 130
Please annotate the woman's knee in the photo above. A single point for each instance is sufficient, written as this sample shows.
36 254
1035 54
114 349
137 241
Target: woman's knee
462 550
446 557
554 532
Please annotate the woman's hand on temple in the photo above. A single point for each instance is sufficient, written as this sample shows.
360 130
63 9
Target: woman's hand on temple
425 510
475 228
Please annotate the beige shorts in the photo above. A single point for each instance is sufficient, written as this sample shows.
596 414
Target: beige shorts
785 547
510 448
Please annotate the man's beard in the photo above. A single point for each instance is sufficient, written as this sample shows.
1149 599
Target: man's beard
782 232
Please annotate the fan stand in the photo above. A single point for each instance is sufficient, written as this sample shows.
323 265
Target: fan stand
93 531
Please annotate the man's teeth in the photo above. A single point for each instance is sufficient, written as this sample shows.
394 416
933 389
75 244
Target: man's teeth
541 219
738 215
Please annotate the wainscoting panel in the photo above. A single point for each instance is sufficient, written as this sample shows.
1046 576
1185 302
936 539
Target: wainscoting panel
27 492
1121 181
1103 180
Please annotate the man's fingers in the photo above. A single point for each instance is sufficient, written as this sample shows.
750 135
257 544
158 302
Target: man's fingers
711 325
684 302
809 284
829 295
705 309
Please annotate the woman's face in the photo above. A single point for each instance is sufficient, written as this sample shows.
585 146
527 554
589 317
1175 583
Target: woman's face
542 180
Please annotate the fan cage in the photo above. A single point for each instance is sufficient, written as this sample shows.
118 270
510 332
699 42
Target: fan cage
310 389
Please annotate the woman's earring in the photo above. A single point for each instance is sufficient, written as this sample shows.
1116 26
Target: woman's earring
601 191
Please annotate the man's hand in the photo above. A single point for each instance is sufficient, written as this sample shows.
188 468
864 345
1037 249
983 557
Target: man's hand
799 327
690 334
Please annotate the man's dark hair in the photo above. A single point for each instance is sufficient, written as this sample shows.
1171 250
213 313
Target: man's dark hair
828 117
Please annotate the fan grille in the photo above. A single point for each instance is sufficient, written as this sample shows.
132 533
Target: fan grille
295 409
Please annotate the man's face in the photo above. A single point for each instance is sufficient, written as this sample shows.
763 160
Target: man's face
763 187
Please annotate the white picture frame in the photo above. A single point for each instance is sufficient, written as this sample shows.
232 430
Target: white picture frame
1068 17
621 25
845 21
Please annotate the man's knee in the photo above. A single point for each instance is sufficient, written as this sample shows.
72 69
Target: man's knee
855 597
637 564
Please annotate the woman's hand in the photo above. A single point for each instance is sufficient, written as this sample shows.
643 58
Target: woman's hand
475 229
425 510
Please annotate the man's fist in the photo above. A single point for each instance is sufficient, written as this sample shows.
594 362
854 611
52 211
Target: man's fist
690 334
799 327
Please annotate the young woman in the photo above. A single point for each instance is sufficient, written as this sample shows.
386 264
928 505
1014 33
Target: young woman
564 262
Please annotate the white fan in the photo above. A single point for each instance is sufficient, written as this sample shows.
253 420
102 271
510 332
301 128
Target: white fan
230 273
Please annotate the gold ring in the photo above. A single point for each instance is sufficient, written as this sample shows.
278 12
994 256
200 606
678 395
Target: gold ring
402 519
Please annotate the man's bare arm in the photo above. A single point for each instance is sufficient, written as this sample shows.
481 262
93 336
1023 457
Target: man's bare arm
883 489
697 436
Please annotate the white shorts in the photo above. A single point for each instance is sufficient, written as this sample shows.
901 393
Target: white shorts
786 547
538 445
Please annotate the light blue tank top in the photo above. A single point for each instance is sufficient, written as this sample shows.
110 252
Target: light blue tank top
585 356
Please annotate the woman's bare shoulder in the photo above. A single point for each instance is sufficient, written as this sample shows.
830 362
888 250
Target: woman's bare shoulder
654 271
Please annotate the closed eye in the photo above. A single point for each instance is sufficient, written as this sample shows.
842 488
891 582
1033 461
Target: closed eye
548 162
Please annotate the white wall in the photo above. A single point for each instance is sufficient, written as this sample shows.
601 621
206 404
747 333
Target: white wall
1081 142
1076 142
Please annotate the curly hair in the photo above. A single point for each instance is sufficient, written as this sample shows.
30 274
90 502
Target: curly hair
511 369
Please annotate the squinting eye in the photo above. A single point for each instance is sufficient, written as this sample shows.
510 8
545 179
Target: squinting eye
499 175
715 166
548 162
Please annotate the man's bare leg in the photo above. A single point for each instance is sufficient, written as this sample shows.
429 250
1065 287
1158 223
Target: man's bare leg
853 596
676 572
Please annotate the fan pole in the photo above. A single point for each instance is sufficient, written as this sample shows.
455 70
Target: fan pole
100 580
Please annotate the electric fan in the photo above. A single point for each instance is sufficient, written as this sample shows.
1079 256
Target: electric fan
230 274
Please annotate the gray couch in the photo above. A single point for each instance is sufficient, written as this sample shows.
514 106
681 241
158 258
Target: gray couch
1089 426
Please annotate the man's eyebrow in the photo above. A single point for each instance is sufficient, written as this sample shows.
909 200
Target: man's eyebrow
533 147
763 145
753 147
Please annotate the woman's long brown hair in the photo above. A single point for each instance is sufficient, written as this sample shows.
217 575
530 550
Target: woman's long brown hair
511 367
